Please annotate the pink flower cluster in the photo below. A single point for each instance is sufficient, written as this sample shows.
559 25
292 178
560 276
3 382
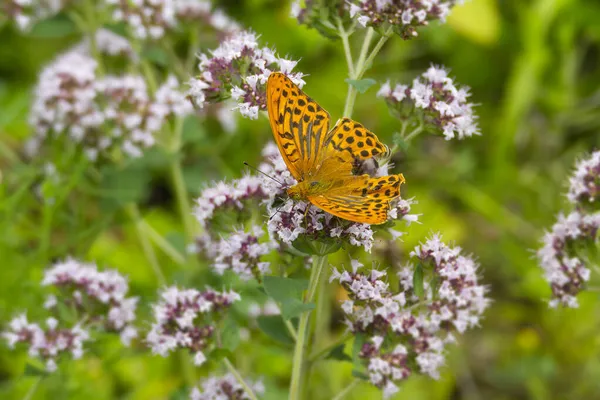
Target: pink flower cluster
441 103
185 319
403 15
151 19
563 255
409 328
98 297
47 343
100 114
239 69
224 388
584 184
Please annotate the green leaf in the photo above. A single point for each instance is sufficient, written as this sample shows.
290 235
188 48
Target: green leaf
156 55
359 341
193 131
177 240
337 353
362 85
360 375
56 27
230 335
292 308
282 289
274 327
418 280
125 185
34 370
219 354
400 142
321 247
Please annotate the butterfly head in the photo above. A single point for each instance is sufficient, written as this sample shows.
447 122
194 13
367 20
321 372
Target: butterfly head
304 189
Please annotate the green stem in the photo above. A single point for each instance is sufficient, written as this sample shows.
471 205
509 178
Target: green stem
351 96
239 378
134 213
164 245
9 154
316 356
347 51
33 389
192 49
178 182
346 390
47 214
291 330
182 199
367 64
300 347
178 65
413 134
362 65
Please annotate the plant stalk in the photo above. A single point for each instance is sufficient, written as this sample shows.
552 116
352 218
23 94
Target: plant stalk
239 378
134 213
300 347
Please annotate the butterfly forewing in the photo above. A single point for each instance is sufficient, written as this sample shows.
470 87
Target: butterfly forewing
300 126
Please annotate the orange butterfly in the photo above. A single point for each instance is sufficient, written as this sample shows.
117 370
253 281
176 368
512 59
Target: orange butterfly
322 160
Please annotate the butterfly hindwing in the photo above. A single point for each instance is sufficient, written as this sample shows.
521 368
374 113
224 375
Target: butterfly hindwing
361 198
300 126
354 141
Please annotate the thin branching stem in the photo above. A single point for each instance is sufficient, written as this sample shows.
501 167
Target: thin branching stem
239 378
346 390
134 213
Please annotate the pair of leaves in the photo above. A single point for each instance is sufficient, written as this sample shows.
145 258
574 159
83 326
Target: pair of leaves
287 293
361 85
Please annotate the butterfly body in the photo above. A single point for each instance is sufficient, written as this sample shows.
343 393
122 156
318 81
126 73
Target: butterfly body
324 161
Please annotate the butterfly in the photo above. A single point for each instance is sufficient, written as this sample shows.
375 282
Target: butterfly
323 161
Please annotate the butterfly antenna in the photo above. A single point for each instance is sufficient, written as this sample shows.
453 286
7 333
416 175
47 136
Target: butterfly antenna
261 172
276 211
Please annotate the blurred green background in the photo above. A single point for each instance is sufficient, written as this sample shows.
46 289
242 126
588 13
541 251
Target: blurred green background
534 70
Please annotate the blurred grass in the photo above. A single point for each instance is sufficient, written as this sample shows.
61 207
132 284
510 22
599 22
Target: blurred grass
533 67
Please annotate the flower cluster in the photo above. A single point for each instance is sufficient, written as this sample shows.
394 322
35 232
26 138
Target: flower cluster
46 343
150 19
293 219
25 13
100 114
323 15
238 69
224 388
241 253
442 104
98 297
408 330
290 219
560 256
101 295
226 197
186 319
584 185
403 15
564 255
110 44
